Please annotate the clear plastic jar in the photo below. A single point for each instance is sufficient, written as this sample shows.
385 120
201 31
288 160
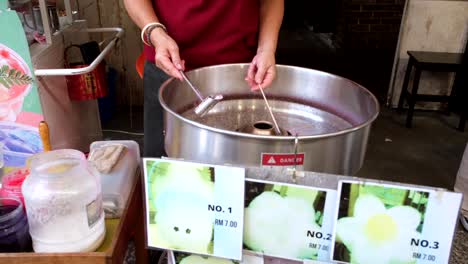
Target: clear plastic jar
64 203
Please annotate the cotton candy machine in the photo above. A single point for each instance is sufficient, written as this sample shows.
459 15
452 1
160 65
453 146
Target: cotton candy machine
321 116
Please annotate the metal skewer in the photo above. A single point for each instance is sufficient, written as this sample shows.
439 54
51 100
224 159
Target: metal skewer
206 103
192 86
278 131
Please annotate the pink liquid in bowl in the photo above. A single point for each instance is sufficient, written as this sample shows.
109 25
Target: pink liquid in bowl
11 100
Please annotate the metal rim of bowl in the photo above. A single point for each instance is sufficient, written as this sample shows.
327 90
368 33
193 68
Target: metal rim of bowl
252 136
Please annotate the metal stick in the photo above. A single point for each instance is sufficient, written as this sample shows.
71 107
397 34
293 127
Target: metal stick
278 131
296 142
191 86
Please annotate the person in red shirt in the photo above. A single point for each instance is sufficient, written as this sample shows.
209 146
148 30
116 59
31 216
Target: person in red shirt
188 34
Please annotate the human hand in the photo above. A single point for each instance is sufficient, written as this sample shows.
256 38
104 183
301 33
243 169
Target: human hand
167 53
262 70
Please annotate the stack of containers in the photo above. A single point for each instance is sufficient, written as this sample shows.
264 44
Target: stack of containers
57 205
14 229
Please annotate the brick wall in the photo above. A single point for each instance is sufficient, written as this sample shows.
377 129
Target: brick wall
369 32
365 34
371 24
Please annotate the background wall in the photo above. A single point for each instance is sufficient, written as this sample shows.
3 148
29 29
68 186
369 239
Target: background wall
355 39
370 36
111 13
440 26
73 124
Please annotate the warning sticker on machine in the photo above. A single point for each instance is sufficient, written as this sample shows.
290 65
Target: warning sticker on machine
283 159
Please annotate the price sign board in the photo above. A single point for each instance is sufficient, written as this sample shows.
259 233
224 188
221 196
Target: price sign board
383 223
288 221
194 208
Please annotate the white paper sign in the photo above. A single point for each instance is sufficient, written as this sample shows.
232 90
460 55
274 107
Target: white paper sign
194 208
288 221
379 223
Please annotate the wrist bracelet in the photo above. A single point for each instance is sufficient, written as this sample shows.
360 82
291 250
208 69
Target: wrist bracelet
146 32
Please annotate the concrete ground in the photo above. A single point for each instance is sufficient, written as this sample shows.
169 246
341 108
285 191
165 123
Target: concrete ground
427 154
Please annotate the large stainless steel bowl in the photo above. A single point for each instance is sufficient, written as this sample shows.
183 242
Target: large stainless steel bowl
331 117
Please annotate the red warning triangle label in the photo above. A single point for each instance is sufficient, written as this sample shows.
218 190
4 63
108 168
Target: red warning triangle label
282 159
271 160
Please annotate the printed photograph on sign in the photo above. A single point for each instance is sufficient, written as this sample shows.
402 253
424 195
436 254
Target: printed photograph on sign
20 109
15 83
288 221
194 208
379 223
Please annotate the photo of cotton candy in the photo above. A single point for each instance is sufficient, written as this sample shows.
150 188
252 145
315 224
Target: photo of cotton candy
277 223
181 194
376 224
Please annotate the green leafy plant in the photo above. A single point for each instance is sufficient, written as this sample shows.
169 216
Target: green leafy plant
10 77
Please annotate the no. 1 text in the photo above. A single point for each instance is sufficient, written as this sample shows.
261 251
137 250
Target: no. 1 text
218 208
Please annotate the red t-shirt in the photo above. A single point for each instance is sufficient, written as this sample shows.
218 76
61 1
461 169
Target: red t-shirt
210 32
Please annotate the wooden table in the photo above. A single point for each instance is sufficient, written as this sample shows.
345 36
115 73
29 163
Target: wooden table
118 234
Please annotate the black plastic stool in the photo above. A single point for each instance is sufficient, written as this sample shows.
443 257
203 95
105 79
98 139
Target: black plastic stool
428 61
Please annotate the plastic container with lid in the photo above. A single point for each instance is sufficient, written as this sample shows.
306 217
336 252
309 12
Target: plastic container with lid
64 203
12 182
14 230
117 184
